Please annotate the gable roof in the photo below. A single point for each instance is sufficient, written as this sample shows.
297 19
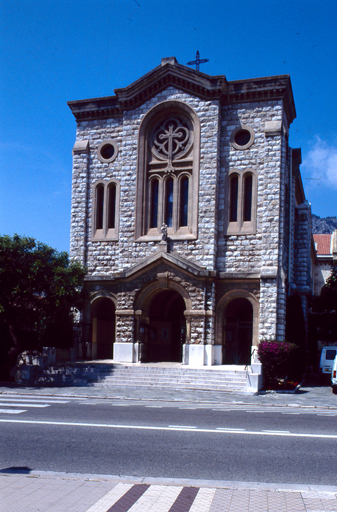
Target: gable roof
171 73
323 244
173 260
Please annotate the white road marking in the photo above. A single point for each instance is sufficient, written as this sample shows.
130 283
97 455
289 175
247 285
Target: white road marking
39 406
154 406
171 429
42 397
37 400
277 431
292 413
178 427
110 498
11 411
231 429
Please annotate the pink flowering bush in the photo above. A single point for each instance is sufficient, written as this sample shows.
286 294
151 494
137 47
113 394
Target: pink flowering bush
275 358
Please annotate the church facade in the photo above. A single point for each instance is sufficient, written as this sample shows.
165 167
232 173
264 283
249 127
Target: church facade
189 213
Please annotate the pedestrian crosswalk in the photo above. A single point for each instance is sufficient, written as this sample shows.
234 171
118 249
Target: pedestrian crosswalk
18 404
127 497
156 498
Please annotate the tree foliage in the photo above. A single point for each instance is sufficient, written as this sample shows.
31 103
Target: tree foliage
324 308
40 292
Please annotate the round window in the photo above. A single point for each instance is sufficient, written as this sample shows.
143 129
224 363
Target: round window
242 137
107 151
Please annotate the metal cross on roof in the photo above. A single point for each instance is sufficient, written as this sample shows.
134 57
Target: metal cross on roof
197 61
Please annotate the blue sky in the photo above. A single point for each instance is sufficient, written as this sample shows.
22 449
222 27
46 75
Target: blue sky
55 51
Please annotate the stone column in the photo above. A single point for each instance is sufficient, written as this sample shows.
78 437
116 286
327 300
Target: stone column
125 349
79 201
268 304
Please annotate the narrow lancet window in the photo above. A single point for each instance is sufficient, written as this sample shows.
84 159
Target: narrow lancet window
112 206
184 202
154 204
169 203
233 207
99 206
247 197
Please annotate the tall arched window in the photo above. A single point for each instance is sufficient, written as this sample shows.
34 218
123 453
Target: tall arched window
111 206
168 219
247 197
184 202
168 173
99 197
241 202
233 198
154 203
105 211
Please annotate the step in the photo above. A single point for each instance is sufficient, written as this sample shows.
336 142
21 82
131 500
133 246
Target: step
119 375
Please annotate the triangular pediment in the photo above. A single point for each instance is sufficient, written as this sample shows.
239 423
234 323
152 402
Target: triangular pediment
171 73
173 260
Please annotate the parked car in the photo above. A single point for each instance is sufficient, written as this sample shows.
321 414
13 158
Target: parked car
328 355
334 376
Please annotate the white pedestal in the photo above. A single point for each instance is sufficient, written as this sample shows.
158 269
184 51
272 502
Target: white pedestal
125 352
202 355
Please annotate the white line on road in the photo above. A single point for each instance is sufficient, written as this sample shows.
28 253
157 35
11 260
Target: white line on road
41 397
277 431
178 427
11 411
171 429
39 406
154 406
37 400
231 429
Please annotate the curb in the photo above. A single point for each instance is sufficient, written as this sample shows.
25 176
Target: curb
186 482
174 400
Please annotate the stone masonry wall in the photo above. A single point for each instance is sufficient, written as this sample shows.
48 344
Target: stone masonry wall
253 251
108 257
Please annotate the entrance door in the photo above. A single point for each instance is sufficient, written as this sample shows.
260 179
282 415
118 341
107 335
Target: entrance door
238 332
103 329
166 330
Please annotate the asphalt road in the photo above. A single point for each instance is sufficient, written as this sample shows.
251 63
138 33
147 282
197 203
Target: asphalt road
245 443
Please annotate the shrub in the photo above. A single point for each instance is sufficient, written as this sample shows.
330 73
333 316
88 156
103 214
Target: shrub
275 357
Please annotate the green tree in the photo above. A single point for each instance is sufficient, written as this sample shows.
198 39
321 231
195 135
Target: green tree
40 292
324 308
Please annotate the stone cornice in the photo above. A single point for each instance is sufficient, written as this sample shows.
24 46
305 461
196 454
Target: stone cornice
206 87
262 89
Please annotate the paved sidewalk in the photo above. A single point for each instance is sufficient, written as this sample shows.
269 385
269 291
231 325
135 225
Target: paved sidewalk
62 492
308 396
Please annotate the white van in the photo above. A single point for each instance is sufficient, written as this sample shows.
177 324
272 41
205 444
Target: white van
328 355
334 376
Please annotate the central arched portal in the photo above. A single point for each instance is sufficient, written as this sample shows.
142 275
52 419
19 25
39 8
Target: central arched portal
166 328
238 332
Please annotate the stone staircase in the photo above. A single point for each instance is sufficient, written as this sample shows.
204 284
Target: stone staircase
161 375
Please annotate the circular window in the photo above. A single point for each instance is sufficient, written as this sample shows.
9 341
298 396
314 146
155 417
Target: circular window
242 137
107 151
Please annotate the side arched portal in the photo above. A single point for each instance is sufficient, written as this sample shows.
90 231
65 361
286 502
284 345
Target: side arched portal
238 332
103 328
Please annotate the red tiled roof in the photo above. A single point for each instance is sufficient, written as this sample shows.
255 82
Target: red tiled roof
323 244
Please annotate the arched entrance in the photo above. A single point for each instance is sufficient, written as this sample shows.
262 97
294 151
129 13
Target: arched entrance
238 332
103 328
166 328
